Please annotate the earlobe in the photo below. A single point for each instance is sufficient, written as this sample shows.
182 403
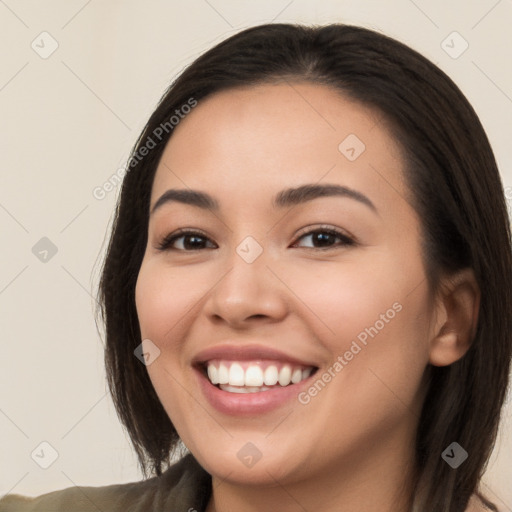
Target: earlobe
458 306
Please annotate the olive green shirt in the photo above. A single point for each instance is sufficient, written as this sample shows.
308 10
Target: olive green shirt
184 487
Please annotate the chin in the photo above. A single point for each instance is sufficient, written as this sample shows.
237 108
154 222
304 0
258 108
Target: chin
251 463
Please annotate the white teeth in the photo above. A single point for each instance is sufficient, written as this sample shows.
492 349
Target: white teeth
271 376
254 376
223 375
213 374
231 376
243 389
306 373
296 375
285 375
236 375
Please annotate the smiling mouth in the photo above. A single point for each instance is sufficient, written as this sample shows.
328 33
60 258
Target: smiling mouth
254 376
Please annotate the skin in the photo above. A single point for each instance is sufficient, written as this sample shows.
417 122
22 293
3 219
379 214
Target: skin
350 447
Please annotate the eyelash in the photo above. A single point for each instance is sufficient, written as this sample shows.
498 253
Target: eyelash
165 244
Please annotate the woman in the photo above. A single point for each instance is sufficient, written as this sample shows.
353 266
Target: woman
308 285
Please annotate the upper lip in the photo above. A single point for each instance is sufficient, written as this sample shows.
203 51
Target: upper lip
246 353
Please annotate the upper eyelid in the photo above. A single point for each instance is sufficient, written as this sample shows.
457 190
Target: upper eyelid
326 227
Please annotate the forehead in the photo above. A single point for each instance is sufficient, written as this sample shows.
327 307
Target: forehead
266 137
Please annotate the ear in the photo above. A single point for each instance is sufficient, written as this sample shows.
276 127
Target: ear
456 317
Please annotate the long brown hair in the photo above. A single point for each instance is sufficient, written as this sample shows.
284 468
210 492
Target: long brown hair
456 190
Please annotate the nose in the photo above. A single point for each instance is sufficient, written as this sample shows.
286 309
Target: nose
247 292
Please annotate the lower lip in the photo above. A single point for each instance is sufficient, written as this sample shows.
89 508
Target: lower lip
247 404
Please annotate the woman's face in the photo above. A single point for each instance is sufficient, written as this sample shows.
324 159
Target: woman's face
278 285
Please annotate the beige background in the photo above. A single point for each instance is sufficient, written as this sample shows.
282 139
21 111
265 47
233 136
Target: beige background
68 122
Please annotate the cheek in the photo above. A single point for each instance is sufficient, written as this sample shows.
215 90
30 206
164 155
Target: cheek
373 310
164 300
377 362
384 346
345 298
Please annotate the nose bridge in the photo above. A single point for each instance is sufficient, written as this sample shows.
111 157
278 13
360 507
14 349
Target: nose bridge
247 288
247 268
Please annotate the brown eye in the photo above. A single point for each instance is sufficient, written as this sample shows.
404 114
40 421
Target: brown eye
325 237
192 241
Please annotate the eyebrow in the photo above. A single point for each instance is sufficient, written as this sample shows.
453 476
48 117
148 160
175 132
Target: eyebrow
286 197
